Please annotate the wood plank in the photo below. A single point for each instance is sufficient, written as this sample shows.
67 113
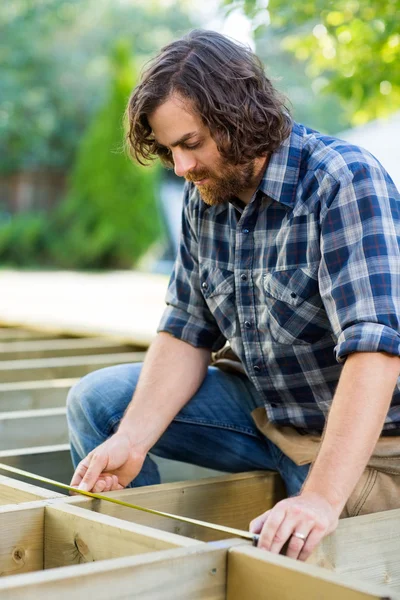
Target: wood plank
50 461
231 500
22 538
13 491
16 334
257 574
194 573
32 395
61 347
26 428
74 535
367 547
53 368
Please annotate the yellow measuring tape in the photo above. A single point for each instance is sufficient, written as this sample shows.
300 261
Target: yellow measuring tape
229 530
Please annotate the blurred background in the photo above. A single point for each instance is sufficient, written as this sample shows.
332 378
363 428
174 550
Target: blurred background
69 196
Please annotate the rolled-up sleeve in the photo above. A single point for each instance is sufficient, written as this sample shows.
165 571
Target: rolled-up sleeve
187 316
359 273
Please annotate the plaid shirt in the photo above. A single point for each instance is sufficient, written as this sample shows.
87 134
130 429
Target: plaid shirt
307 273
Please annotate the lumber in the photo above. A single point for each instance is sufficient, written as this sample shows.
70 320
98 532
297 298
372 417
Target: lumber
74 535
22 538
13 491
230 500
60 347
30 395
257 574
50 461
62 367
191 573
365 547
25 428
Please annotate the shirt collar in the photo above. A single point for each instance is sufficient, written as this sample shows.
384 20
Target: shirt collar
281 176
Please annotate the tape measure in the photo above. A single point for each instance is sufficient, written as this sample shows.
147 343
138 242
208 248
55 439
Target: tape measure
229 530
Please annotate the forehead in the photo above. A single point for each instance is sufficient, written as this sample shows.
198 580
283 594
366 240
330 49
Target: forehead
174 119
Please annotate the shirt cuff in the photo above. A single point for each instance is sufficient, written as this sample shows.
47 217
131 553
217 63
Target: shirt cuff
190 329
367 337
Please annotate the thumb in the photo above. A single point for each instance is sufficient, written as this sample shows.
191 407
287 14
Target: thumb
98 463
256 525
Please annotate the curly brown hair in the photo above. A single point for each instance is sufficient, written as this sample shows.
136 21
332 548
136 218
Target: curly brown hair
226 83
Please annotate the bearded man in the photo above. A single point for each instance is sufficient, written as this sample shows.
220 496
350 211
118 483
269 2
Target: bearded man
290 252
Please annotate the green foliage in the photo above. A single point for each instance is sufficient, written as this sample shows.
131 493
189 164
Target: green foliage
109 217
23 240
350 47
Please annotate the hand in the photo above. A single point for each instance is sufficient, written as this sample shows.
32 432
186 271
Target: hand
309 514
110 466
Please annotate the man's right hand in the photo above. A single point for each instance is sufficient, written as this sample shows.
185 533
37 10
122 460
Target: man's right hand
110 466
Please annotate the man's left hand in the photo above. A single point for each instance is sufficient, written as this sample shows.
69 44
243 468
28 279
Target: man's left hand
308 515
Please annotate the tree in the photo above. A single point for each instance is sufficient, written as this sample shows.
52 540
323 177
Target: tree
351 47
109 217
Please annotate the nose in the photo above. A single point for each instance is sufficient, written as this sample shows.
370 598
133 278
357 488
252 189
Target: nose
184 162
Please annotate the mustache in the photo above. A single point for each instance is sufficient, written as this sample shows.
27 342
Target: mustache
197 176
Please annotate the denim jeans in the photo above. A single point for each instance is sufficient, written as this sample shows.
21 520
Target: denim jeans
215 428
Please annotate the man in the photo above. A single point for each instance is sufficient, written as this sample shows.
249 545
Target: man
290 251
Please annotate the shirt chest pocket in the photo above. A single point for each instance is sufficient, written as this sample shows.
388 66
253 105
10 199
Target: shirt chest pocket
218 288
294 308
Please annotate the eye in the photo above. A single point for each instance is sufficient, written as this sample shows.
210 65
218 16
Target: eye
192 147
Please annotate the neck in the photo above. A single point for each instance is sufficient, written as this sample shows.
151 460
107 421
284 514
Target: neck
260 164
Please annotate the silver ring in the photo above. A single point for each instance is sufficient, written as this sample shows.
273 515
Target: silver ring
300 536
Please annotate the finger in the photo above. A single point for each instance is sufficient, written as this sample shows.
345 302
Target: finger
284 533
296 544
257 524
98 464
271 526
80 471
115 483
311 542
100 486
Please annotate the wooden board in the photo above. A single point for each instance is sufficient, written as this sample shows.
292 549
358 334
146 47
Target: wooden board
50 461
231 500
52 368
257 575
74 535
22 538
60 347
367 547
26 428
192 573
31 395
13 491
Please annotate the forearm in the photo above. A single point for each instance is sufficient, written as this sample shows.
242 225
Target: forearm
172 373
355 421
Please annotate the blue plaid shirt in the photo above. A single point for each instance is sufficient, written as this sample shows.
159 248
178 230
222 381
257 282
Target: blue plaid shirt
306 274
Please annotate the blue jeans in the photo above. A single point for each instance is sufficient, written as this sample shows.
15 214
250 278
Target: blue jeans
215 428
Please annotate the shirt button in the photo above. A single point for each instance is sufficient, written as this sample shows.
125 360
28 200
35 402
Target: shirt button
273 405
293 295
247 324
204 285
246 231
257 369
243 277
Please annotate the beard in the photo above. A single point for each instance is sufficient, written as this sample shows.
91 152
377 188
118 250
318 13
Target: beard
224 183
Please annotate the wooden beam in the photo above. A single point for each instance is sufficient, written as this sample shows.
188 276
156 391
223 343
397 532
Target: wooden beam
366 547
13 334
231 500
258 574
26 428
53 368
74 535
22 538
50 461
13 491
61 347
193 573
30 395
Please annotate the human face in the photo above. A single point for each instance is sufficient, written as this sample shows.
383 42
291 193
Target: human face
196 157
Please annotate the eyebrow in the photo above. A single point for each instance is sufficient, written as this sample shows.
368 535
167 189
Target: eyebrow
183 139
